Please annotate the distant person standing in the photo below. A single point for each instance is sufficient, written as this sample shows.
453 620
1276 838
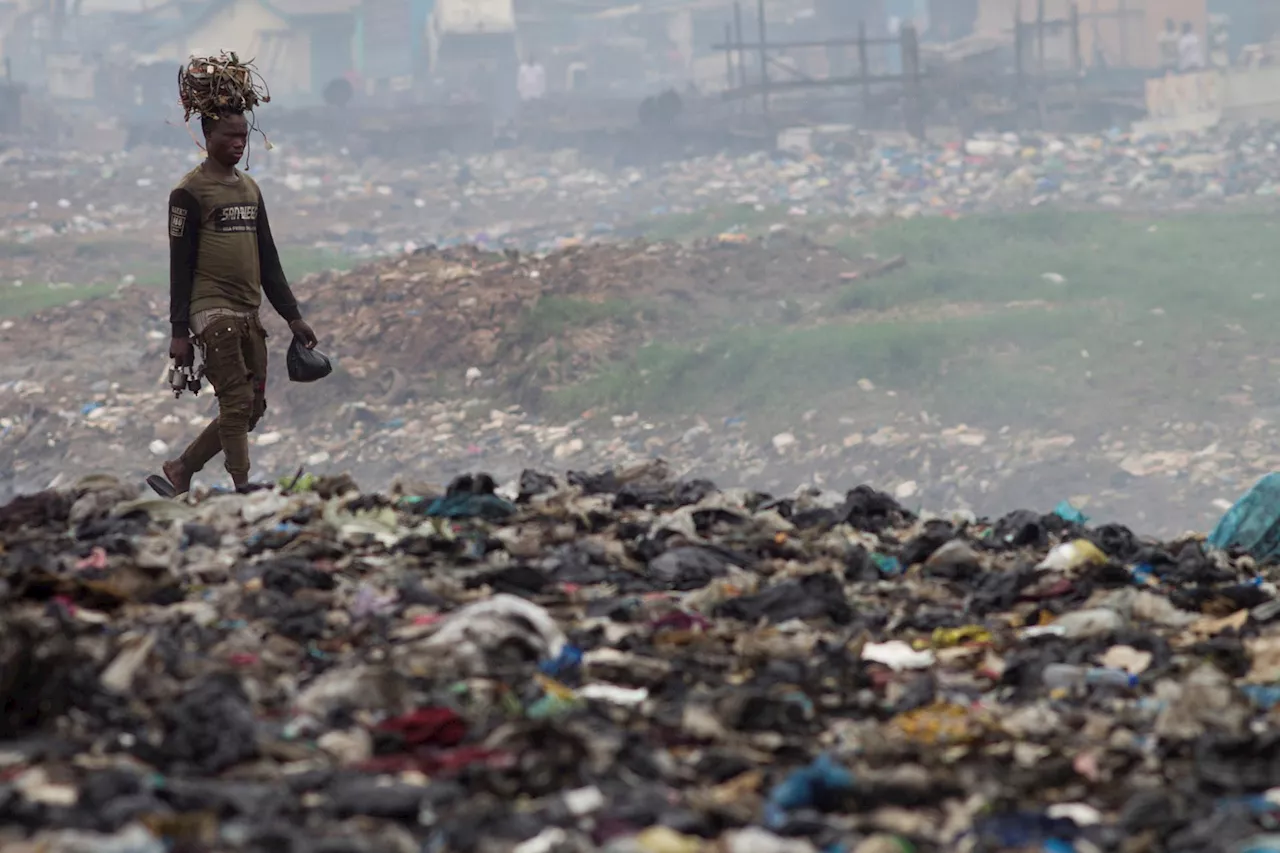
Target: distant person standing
1168 43
532 81
1190 51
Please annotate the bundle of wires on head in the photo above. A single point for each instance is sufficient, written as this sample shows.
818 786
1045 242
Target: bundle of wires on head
214 86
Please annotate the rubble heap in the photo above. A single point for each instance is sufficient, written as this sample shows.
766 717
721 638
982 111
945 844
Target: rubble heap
444 310
622 662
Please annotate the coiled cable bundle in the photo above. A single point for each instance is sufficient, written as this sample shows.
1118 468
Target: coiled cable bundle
214 86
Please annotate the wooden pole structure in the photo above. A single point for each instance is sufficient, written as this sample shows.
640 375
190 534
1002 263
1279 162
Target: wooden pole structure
913 106
1123 11
737 28
728 57
764 61
1019 57
1077 60
1040 37
864 64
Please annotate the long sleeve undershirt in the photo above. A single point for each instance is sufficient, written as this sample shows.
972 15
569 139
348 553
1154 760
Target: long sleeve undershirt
274 284
184 242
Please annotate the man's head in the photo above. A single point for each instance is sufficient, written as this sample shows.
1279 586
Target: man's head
1169 25
1186 27
225 137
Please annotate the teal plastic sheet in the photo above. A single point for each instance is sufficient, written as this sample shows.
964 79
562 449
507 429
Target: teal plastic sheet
1253 524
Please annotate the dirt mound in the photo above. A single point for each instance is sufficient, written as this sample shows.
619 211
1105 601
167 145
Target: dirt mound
460 308
550 319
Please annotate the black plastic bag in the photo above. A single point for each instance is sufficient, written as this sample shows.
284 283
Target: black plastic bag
306 365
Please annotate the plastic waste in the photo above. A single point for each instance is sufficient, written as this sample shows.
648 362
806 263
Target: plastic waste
1080 624
1061 675
1070 514
1263 696
1073 555
481 636
820 786
306 365
569 659
897 655
471 497
1253 523
342 671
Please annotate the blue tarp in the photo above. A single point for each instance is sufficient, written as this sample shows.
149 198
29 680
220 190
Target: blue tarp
1253 524
464 505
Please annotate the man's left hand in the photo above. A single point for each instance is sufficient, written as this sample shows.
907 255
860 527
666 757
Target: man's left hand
303 332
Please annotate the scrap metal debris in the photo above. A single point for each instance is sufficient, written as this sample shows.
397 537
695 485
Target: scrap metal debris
212 86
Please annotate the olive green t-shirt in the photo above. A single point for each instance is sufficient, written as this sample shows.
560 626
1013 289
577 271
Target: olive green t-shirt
222 254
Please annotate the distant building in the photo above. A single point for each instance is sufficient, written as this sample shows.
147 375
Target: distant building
299 46
1128 40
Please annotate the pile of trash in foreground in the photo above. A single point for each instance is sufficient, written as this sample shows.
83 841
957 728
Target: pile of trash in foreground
621 662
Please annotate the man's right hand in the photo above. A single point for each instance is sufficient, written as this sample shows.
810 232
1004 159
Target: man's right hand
182 352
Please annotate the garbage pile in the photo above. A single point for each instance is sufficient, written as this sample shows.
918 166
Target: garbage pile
526 199
621 661
441 356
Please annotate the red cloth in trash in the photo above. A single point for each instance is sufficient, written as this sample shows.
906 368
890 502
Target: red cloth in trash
427 727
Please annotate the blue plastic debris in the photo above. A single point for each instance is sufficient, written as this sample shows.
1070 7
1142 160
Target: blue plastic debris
1022 829
1070 514
888 566
821 785
569 659
1253 524
275 538
1144 574
1263 696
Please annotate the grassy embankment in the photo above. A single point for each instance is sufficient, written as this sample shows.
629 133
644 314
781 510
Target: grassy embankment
1059 315
32 297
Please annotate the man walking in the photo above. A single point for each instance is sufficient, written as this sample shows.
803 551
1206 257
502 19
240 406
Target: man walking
222 259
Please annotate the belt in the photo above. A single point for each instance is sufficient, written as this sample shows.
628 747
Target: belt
201 319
